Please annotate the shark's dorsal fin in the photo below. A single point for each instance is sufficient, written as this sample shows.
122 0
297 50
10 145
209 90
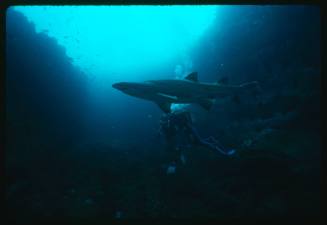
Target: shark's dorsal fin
192 77
164 106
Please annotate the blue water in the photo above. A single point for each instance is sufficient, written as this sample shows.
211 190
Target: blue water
74 140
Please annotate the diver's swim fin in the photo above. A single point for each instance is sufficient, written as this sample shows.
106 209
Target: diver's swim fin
226 152
230 152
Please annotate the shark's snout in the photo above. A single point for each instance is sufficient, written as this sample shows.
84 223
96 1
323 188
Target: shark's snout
120 86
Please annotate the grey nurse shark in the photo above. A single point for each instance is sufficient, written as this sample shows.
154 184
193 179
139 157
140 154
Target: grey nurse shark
187 90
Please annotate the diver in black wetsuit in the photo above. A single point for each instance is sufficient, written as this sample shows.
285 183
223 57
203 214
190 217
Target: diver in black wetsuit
179 132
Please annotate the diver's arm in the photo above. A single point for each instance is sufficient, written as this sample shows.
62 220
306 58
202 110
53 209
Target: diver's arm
217 146
210 142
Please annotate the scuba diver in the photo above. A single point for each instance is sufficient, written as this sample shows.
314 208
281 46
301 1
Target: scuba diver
179 132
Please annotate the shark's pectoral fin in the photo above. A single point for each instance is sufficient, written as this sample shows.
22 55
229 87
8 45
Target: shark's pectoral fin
192 77
164 106
206 103
224 80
